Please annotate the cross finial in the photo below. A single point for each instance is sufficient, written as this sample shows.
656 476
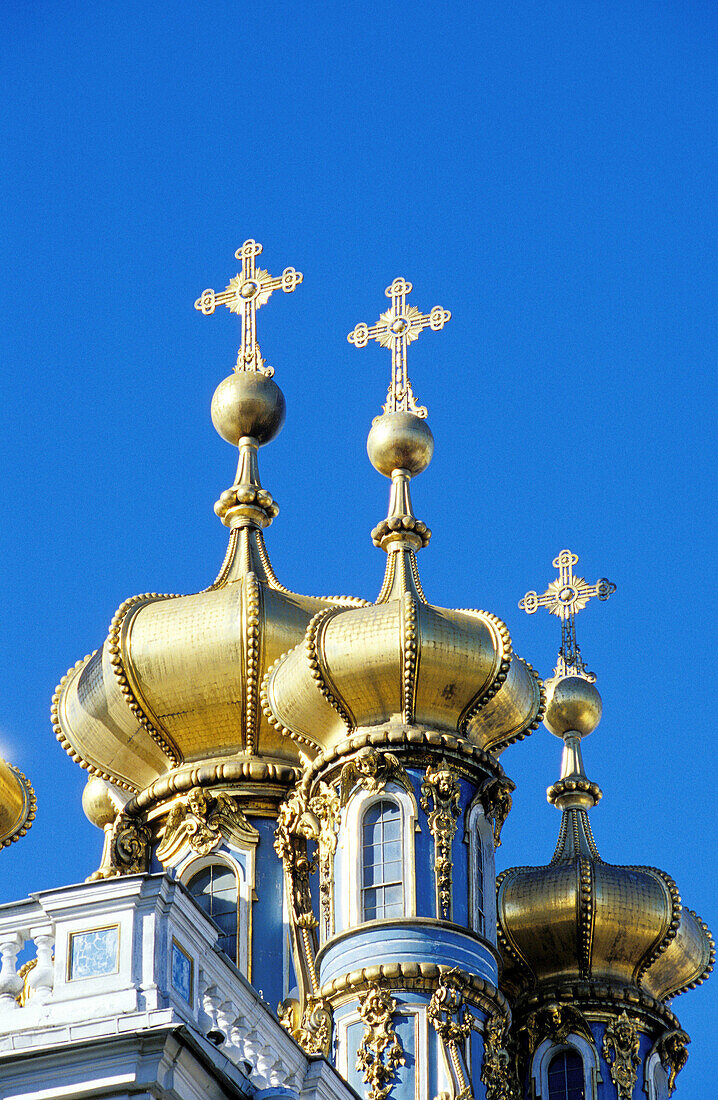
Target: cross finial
565 597
395 329
244 295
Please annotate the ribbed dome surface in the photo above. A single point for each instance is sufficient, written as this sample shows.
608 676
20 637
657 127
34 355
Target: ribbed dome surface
177 680
401 657
581 918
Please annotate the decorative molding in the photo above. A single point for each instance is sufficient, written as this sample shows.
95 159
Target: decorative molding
440 788
290 843
620 1048
371 770
312 1028
555 1022
324 805
495 796
130 846
452 1023
380 1052
198 821
403 976
409 655
498 1072
671 1050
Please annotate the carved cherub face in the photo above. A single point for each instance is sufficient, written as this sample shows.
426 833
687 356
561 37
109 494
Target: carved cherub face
367 762
197 802
554 1014
445 785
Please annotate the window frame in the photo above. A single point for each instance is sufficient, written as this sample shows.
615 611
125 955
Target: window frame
351 853
480 837
193 866
547 1051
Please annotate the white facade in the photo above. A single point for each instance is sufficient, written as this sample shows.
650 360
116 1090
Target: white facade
127 995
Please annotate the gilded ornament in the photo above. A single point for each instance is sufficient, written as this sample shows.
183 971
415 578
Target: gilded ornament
498 1072
371 770
130 846
565 597
18 804
495 797
244 295
294 828
312 1029
556 1022
671 1048
440 795
196 821
620 1049
452 1023
398 327
380 1053
324 805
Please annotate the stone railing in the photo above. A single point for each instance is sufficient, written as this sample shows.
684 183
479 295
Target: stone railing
127 954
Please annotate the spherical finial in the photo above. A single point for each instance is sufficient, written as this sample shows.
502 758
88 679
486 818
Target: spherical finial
400 441
574 705
97 804
248 403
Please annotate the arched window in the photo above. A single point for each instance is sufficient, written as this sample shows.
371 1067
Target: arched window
382 892
214 888
565 1076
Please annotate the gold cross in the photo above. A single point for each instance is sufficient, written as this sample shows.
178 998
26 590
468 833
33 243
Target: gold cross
565 597
244 295
395 329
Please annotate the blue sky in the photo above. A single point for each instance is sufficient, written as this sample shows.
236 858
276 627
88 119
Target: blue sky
544 171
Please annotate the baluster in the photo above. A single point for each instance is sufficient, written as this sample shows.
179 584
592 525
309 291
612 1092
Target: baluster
41 979
10 980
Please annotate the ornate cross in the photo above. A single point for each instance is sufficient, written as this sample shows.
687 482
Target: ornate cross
395 329
565 597
244 295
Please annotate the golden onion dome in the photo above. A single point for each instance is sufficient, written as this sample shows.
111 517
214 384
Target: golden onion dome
402 659
171 698
17 804
578 919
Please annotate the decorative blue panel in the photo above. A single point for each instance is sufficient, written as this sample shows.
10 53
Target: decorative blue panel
94 952
182 972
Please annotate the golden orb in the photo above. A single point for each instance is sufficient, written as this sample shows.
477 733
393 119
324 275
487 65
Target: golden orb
97 804
248 404
400 441
573 706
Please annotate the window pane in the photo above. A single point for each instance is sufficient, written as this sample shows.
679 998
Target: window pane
215 890
565 1077
382 871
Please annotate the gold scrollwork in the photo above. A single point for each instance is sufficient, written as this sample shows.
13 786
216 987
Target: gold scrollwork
671 1048
380 1052
495 797
498 1072
371 770
452 1023
197 821
620 1048
312 1028
440 794
324 805
294 828
130 848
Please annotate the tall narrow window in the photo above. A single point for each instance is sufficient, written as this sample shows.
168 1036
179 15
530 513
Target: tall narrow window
214 888
565 1077
382 892
479 885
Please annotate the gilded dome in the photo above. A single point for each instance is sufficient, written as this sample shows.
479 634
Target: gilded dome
580 919
175 685
401 658
17 804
